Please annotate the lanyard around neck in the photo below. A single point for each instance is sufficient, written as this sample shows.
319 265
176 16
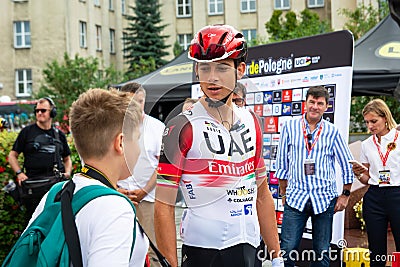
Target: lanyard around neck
93 173
389 148
310 148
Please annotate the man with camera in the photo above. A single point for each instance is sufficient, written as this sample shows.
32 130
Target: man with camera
46 156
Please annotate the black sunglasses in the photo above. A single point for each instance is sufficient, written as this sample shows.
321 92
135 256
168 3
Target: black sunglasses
238 101
43 110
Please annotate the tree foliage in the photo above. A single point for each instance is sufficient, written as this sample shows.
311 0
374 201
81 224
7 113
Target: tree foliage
65 81
178 49
359 22
144 39
363 18
292 27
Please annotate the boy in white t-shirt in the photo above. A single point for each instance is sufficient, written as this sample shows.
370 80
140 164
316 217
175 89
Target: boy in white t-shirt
105 127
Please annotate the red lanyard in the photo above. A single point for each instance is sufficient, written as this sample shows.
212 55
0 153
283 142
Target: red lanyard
305 136
384 158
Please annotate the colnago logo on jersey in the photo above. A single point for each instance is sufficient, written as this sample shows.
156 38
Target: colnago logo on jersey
240 200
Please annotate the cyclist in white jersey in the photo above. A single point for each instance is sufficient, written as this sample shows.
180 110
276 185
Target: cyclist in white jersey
213 152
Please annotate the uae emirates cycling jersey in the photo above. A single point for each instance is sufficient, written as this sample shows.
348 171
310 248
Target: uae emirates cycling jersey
217 171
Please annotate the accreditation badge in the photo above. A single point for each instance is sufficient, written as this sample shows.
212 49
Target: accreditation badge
384 178
309 167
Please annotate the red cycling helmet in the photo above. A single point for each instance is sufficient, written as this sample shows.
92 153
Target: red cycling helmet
217 42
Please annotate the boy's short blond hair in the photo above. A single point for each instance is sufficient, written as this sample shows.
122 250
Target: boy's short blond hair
98 116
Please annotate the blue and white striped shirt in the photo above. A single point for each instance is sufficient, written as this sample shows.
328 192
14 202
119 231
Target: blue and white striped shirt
292 151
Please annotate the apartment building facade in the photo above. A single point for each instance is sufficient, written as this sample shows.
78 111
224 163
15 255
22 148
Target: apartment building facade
34 33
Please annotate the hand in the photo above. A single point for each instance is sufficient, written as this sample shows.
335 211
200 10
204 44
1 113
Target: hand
134 195
283 200
21 177
359 169
67 175
137 195
341 203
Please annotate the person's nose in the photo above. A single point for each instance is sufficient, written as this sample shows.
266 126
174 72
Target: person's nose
212 77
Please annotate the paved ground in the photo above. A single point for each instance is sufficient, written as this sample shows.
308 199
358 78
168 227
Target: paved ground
178 213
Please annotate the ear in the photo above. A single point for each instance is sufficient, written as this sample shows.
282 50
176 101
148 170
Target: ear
241 69
119 143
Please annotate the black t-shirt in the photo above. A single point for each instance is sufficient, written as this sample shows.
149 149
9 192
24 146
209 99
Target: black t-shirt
39 147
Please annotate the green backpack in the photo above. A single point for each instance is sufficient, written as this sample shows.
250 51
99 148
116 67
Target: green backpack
43 243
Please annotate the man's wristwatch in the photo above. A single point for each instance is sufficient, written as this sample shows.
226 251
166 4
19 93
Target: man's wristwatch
346 192
18 172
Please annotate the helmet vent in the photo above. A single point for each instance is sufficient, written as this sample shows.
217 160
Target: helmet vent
201 39
222 38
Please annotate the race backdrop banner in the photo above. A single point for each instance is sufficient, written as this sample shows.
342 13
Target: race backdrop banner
277 78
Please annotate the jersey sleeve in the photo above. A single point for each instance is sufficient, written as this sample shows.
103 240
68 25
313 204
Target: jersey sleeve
177 140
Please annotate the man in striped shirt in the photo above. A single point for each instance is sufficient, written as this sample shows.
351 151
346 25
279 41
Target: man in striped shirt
306 170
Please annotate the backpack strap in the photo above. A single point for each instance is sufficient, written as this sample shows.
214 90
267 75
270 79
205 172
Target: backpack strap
54 190
69 225
70 208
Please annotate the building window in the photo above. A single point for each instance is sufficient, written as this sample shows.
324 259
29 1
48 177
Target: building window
124 43
22 34
123 7
82 34
112 41
184 40
282 4
315 3
250 34
183 8
23 82
215 7
247 6
98 38
97 2
111 5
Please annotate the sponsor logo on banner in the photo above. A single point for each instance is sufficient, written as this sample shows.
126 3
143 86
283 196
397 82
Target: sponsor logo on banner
331 90
250 99
267 110
286 95
277 109
269 66
268 97
277 96
296 108
267 139
266 152
302 62
258 98
297 94
271 124
286 108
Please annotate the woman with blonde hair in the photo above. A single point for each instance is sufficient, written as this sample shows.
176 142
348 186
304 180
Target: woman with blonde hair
380 156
